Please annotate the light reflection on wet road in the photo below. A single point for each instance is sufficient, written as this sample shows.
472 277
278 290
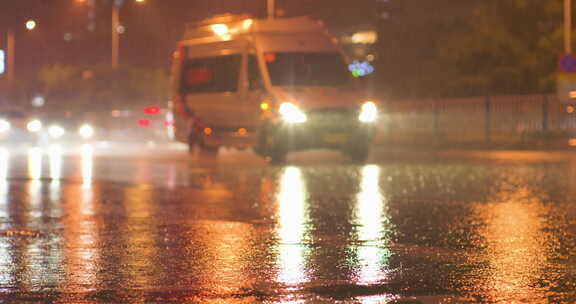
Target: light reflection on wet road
85 225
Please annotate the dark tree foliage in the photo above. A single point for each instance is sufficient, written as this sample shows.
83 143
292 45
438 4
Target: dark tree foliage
447 48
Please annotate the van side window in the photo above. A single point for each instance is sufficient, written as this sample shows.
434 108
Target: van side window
211 74
254 76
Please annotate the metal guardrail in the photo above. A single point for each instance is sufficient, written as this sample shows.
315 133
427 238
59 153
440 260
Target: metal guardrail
493 120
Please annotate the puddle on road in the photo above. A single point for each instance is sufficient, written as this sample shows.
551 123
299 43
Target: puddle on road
392 233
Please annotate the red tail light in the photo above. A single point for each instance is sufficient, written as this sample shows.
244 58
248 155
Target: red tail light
151 110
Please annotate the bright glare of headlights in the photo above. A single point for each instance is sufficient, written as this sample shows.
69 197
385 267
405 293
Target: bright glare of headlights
369 112
34 126
86 131
4 126
290 113
56 131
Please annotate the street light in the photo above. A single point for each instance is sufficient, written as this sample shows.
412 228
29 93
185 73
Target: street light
11 50
116 31
271 8
568 26
30 24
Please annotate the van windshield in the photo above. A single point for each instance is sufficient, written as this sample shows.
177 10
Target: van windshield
307 69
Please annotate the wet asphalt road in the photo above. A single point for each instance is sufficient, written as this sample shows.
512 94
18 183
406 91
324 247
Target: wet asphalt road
93 224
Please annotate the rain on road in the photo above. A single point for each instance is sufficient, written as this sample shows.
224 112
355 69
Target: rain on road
90 225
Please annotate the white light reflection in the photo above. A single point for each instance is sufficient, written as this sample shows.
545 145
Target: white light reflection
370 220
55 153
82 255
7 263
4 164
55 172
87 164
35 163
87 191
172 177
4 183
292 216
35 155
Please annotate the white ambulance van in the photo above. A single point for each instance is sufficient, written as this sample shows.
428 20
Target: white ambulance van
275 85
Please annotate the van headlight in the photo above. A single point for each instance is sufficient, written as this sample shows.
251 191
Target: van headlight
34 126
56 131
4 126
291 114
86 131
369 112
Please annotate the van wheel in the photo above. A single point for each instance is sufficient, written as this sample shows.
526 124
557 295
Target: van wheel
278 157
208 150
277 151
261 145
197 146
193 143
263 140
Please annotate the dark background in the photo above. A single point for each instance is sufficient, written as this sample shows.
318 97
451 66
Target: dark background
152 27
425 49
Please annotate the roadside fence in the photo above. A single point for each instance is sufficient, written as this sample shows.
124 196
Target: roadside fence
525 120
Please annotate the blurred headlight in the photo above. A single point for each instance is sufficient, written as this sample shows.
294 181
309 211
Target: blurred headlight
4 126
34 126
86 131
56 131
290 113
369 112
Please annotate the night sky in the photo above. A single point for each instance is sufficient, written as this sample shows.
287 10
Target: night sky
70 33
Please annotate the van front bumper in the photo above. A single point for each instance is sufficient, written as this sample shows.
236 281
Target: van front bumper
306 135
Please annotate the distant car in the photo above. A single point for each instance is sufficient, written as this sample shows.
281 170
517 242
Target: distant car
61 128
18 127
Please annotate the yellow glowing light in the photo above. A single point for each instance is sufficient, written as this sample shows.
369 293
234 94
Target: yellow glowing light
86 131
30 24
220 29
56 131
247 23
369 112
4 126
570 109
264 106
572 94
572 142
291 114
34 126
366 37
